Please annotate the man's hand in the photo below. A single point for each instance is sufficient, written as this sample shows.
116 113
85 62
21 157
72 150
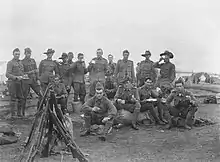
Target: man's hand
163 100
92 62
19 78
161 58
38 82
67 88
95 108
63 96
105 119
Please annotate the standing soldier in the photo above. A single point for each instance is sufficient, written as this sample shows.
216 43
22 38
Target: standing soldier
15 74
97 70
64 71
70 58
30 68
47 68
79 70
146 69
127 98
167 69
111 66
124 66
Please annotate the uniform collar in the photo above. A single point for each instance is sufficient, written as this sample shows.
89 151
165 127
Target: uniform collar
15 60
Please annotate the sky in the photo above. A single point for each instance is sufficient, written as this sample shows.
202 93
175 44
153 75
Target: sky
188 28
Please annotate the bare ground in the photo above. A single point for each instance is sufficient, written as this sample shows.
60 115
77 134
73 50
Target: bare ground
149 144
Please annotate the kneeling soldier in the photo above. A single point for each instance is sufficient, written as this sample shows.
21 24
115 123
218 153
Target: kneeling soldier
185 106
61 94
127 98
146 92
98 110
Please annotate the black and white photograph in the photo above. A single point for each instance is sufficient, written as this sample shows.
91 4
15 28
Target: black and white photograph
109 81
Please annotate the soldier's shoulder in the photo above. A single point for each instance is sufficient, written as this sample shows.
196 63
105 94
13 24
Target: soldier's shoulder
10 62
130 61
119 61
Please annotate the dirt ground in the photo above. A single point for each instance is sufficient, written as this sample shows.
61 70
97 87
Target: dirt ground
149 144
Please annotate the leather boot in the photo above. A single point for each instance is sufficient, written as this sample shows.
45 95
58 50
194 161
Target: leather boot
160 113
106 131
13 106
87 125
19 107
156 118
188 121
23 107
134 120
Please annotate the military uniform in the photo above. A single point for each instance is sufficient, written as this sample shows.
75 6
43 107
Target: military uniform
47 68
111 69
30 68
183 111
106 109
132 102
146 93
61 93
146 70
64 73
79 70
167 73
110 87
123 67
97 72
14 69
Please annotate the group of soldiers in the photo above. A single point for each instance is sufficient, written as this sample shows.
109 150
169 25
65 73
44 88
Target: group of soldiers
113 87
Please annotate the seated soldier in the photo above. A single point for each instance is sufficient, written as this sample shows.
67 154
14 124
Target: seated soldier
61 94
110 87
98 110
147 92
127 98
185 106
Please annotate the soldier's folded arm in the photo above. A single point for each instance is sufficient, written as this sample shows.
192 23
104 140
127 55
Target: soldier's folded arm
170 98
90 66
154 94
88 105
112 111
9 74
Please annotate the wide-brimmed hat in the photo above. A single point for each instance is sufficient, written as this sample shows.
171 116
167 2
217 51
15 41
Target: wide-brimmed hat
170 54
63 56
50 50
147 52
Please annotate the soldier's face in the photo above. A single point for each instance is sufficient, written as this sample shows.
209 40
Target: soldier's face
149 83
28 54
125 55
148 56
65 59
70 56
110 58
56 81
16 55
49 55
99 53
81 57
99 94
166 58
179 86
